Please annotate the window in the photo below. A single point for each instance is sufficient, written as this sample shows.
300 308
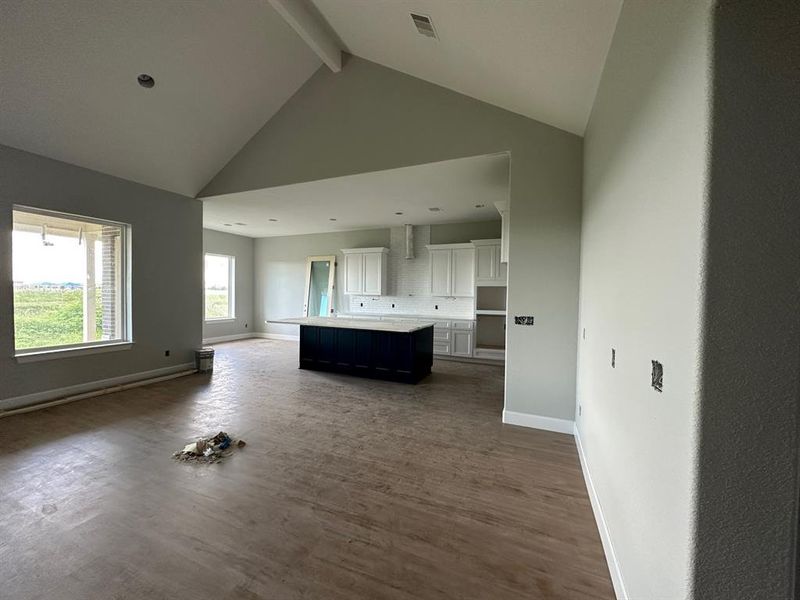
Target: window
71 284
219 285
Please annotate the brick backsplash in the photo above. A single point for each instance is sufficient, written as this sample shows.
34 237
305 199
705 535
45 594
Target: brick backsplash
409 286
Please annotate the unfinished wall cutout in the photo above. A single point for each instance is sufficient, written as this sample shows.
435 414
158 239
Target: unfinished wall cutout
523 320
657 376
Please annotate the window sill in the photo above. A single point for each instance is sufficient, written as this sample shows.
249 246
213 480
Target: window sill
40 355
221 320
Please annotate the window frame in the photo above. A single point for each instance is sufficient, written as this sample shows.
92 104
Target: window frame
231 316
125 341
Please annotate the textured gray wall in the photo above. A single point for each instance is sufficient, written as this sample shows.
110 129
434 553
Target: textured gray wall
369 118
166 265
242 248
280 272
645 185
750 383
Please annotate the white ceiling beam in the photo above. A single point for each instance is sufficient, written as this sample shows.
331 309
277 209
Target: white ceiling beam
311 29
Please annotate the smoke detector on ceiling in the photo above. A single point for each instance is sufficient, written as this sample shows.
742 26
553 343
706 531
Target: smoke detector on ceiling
424 25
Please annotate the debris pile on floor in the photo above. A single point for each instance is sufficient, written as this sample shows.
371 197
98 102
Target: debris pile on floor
209 450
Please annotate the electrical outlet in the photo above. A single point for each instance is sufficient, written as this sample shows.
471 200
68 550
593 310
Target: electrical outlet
166 352
657 376
392 304
613 358
436 307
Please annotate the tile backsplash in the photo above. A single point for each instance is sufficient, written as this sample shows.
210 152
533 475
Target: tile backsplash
409 286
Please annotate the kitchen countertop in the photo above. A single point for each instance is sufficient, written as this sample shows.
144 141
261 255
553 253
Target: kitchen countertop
404 317
365 324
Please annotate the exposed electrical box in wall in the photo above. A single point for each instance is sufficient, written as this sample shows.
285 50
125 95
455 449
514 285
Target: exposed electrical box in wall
657 376
523 320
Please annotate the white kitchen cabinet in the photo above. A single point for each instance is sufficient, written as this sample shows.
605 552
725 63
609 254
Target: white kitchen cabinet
452 270
453 338
461 344
489 270
365 271
441 270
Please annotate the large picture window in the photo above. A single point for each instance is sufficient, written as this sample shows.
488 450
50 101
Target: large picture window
219 286
70 281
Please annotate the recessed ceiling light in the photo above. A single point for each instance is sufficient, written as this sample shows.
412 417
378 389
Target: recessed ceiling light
242 224
274 220
145 80
398 213
331 219
228 224
435 209
479 205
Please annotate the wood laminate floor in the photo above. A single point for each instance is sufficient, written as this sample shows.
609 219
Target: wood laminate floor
348 489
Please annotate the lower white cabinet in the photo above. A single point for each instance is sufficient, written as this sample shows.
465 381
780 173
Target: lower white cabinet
453 338
462 343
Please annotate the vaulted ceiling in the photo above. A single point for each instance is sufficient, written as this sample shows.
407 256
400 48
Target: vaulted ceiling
538 58
223 68
69 91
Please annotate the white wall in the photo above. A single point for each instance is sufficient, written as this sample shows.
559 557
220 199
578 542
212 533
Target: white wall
242 249
645 179
166 268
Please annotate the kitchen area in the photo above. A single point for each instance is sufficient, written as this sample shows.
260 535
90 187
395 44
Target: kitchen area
457 288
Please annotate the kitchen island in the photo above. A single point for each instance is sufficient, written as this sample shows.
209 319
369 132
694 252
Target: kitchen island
392 350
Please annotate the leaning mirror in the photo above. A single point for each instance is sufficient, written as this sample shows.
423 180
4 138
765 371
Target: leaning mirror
320 275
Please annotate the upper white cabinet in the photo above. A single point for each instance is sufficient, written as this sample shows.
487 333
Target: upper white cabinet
489 269
505 222
365 271
452 270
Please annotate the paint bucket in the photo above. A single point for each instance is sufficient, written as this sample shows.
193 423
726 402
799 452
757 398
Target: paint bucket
204 360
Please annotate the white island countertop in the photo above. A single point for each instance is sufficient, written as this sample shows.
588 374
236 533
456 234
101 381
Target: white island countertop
366 324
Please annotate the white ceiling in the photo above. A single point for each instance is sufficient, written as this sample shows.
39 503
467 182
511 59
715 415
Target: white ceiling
367 200
539 58
68 85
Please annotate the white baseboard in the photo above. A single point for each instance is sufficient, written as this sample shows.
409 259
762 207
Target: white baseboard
227 338
539 422
602 526
91 388
278 336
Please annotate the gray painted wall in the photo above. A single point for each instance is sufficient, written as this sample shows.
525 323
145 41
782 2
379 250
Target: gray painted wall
750 372
368 118
456 233
166 269
242 248
280 272
689 256
641 254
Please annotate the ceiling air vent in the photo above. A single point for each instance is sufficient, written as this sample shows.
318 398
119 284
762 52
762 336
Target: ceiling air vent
424 25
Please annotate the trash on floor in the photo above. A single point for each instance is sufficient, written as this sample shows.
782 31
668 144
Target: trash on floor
210 449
